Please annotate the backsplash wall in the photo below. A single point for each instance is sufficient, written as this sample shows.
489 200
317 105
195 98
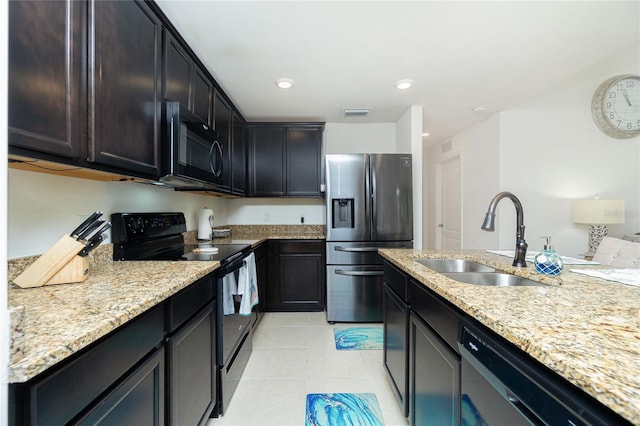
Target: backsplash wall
42 208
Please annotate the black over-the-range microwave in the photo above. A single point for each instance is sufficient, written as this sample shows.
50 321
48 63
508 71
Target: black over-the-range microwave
192 154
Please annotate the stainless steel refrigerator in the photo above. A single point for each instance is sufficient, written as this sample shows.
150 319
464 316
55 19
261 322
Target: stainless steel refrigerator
369 206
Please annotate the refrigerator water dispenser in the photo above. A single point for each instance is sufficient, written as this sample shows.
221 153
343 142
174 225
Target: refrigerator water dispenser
342 212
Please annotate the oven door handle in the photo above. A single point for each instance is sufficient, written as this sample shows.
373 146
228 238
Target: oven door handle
356 249
234 263
359 273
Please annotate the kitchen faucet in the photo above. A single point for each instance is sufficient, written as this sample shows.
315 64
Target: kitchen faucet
488 225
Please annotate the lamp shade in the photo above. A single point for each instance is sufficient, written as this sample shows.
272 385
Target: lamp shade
598 211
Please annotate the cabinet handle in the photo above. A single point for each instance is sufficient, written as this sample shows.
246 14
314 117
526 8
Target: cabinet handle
356 249
359 273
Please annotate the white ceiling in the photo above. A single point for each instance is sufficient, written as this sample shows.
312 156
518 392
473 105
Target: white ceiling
460 54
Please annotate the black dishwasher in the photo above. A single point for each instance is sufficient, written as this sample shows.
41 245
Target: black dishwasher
500 386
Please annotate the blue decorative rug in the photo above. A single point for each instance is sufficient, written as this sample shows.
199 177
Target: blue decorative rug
343 409
358 338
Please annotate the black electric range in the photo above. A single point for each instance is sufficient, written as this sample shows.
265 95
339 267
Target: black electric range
158 236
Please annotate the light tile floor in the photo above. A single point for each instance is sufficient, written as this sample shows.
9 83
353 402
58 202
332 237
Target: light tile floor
294 354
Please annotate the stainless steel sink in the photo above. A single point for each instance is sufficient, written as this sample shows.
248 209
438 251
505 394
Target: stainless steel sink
496 279
454 265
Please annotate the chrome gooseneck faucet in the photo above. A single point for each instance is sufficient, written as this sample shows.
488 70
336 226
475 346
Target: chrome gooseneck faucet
489 219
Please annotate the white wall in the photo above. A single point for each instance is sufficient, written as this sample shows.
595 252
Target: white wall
276 211
341 138
569 158
409 140
44 207
479 151
548 152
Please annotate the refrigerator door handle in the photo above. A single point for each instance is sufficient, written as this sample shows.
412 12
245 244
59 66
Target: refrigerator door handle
372 201
359 273
356 249
367 196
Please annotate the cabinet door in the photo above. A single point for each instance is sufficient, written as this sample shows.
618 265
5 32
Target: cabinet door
192 390
138 400
125 38
303 161
239 157
396 345
435 378
47 76
177 71
266 161
298 282
202 92
222 125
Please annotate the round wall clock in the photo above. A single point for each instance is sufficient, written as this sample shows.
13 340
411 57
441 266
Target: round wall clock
616 106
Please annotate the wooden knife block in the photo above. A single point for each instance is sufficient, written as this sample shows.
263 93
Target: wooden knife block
60 264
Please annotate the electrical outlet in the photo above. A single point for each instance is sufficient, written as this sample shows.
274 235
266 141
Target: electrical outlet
301 219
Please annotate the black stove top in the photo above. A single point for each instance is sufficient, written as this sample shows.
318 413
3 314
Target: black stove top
158 236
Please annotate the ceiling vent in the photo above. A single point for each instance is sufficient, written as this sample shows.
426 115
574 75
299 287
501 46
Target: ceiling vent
355 112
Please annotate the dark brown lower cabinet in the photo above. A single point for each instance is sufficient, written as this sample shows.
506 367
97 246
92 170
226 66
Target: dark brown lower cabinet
138 400
435 378
191 359
396 344
296 275
64 393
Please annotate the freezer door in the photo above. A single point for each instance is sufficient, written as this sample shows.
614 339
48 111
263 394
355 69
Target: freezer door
346 201
354 293
391 197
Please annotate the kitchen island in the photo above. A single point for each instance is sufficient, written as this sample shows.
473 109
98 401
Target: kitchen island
584 329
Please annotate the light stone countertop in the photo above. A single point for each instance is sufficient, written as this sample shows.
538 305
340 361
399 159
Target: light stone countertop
585 329
50 323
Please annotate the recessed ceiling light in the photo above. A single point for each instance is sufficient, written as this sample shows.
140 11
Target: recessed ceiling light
404 84
425 134
479 108
284 83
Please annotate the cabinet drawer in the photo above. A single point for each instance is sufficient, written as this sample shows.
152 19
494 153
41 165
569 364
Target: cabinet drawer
189 301
396 279
302 246
441 317
60 396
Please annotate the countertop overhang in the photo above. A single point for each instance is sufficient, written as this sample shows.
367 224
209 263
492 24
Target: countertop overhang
585 329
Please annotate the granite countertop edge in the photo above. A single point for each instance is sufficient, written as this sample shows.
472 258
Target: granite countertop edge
585 329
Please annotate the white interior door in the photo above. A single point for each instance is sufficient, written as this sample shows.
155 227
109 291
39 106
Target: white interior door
451 205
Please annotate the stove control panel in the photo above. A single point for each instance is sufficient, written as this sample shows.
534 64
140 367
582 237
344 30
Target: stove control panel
136 227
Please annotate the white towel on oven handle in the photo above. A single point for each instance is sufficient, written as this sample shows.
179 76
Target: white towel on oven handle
229 288
248 285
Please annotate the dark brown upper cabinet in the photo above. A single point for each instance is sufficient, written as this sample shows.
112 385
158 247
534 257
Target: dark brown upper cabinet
185 81
124 98
238 156
222 125
47 77
285 159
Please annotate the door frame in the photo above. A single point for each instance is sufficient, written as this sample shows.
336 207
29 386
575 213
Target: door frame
439 199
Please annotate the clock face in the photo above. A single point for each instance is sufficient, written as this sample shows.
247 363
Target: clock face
616 106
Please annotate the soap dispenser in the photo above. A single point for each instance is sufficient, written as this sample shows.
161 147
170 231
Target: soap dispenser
548 261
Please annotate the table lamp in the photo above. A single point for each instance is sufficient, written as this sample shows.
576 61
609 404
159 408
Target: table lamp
597 214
